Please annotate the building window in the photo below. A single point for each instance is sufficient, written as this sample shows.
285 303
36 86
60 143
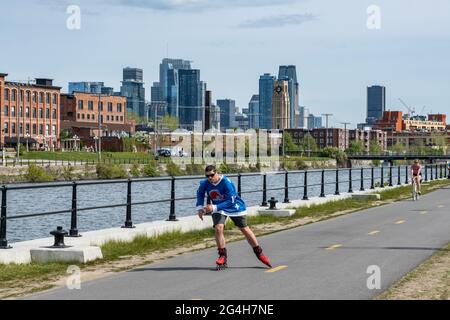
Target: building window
89 116
27 112
41 129
6 128
13 111
121 118
34 129
41 113
13 128
93 117
28 96
27 128
34 96
107 118
90 105
21 128
47 98
13 95
110 106
101 106
20 112
47 129
47 113
119 107
34 113
78 116
6 111
53 129
54 99
6 95
54 113
82 116
117 118
20 95
41 97
80 105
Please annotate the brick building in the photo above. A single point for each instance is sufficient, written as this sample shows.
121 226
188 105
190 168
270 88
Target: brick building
80 114
30 111
366 136
332 137
391 121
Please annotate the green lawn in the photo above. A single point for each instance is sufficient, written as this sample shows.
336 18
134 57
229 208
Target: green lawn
86 156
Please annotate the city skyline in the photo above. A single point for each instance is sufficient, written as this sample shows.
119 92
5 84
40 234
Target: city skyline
336 55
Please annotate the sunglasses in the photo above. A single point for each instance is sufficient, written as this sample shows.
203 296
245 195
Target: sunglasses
210 175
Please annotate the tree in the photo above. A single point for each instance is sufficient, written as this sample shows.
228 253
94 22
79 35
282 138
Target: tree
168 122
289 144
374 146
398 147
355 147
134 116
308 144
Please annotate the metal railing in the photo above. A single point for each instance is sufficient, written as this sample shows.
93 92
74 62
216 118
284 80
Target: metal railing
57 162
431 172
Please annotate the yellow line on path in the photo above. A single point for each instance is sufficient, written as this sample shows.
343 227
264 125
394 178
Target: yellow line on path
373 232
423 212
400 221
335 246
276 269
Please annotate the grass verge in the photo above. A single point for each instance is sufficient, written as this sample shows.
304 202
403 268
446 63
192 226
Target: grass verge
20 279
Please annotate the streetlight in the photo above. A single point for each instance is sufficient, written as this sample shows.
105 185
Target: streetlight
99 129
27 136
75 138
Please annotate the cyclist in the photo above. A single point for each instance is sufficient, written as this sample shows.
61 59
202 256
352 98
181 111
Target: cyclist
416 170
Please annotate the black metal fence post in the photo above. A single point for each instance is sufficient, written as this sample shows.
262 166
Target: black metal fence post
128 222
73 232
239 184
399 176
435 172
305 187
286 187
426 172
337 182
3 240
172 216
382 177
322 185
431 172
264 200
362 180
372 182
390 176
350 185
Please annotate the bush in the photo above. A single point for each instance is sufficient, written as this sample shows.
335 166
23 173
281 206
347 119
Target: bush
174 170
150 171
110 171
37 174
195 169
68 173
135 171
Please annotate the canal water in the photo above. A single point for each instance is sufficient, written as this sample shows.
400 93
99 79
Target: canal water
41 200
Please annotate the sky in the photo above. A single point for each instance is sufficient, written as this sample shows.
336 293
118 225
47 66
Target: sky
338 47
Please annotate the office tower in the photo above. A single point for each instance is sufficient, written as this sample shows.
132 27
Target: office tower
290 73
303 117
227 113
266 86
376 103
86 87
281 105
191 99
133 88
253 112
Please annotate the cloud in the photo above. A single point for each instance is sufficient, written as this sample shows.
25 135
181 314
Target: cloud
187 5
278 21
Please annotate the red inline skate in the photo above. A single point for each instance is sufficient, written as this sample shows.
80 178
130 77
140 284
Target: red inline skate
261 256
221 262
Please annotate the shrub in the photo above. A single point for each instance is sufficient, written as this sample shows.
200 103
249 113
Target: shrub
195 169
135 170
150 171
110 171
38 174
68 173
173 169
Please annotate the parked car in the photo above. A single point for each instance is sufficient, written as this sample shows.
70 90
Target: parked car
164 152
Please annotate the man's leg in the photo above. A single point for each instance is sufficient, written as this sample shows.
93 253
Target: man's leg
251 239
220 238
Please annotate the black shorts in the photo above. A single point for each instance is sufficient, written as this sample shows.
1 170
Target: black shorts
239 221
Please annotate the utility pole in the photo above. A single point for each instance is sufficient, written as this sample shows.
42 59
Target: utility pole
345 132
99 128
327 115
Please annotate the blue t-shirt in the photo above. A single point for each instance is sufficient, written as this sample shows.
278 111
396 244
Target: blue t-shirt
223 196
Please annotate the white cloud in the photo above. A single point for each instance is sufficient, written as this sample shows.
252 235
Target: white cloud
278 21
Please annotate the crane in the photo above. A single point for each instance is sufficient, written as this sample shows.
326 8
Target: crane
411 111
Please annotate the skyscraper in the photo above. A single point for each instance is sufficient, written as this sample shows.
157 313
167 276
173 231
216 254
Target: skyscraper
253 115
227 113
303 115
191 99
281 105
376 103
290 73
167 89
86 87
133 88
266 86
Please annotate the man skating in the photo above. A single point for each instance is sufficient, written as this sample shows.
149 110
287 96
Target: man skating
225 203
